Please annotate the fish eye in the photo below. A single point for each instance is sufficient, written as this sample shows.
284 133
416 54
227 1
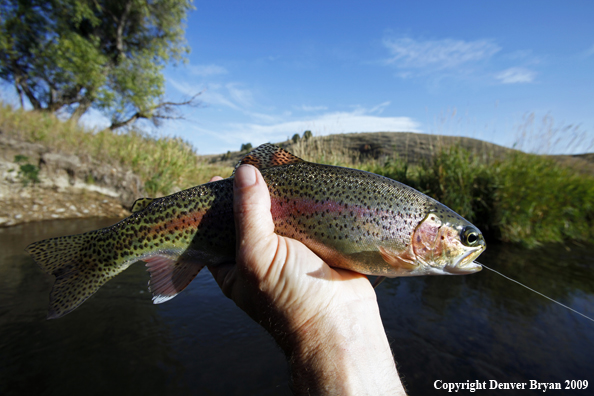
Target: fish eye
470 236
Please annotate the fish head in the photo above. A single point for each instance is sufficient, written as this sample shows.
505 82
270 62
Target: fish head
444 243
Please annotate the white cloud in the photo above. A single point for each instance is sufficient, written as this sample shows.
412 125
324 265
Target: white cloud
211 97
207 70
326 124
409 53
94 119
358 120
516 75
313 108
228 95
379 108
259 124
242 97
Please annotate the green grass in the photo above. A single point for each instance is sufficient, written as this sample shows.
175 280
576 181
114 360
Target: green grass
454 177
538 200
521 198
164 164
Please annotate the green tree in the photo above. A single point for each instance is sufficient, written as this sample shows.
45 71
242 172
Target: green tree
246 146
307 135
71 55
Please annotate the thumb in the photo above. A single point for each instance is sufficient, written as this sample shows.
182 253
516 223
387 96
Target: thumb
253 221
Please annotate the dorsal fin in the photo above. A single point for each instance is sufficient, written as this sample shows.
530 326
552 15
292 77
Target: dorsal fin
140 204
267 156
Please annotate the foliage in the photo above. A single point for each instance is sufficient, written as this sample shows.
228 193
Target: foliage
296 138
28 173
539 200
71 55
307 135
462 182
394 168
521 198
246 147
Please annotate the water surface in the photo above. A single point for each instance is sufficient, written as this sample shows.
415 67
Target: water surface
449 328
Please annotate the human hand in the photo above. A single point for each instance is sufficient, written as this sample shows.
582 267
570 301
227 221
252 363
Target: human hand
326 320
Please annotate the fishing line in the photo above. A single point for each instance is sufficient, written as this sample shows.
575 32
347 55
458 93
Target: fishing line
549 298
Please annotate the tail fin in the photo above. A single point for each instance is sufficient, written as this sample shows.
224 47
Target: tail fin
77 264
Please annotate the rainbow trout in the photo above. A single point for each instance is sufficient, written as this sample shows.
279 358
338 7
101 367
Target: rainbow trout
350 218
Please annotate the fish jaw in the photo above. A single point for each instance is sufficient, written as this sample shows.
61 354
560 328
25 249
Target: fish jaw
439 247
466 264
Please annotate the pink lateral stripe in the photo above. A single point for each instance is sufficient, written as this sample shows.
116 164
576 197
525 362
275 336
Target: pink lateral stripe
192 219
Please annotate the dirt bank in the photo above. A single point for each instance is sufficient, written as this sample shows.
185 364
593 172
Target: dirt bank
38 184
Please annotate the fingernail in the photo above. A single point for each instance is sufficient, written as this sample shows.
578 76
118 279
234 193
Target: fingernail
245 176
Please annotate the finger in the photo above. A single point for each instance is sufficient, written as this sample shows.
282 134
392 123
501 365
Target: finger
215 178
253 221
224 276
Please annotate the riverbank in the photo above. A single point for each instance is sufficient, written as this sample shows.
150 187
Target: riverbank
52 169
38 183
38 204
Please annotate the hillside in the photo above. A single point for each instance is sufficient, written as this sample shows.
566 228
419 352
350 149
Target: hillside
413 148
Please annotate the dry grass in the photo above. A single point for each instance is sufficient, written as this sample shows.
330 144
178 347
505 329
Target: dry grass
514 196
165 164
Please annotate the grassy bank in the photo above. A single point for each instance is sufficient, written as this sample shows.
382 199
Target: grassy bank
164 164
520 198
513 197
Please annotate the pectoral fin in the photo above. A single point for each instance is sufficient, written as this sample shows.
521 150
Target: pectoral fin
378 281
403 260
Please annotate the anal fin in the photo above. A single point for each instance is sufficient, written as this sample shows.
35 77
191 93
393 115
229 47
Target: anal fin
170 274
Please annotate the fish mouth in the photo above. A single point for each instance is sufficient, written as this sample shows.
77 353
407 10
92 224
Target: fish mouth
465 264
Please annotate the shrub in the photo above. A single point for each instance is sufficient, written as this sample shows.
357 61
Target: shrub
28 173
246 147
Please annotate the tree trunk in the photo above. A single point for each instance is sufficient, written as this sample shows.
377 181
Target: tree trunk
30 95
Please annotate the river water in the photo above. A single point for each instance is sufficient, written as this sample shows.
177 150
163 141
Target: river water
479 327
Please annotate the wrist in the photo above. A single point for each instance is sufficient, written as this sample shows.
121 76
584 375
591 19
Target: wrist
344 351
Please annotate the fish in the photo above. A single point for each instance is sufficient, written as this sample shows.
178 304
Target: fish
352 219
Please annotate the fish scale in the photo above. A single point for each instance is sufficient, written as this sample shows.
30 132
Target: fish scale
350 218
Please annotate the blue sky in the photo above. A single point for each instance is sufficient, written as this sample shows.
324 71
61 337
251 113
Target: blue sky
270 69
